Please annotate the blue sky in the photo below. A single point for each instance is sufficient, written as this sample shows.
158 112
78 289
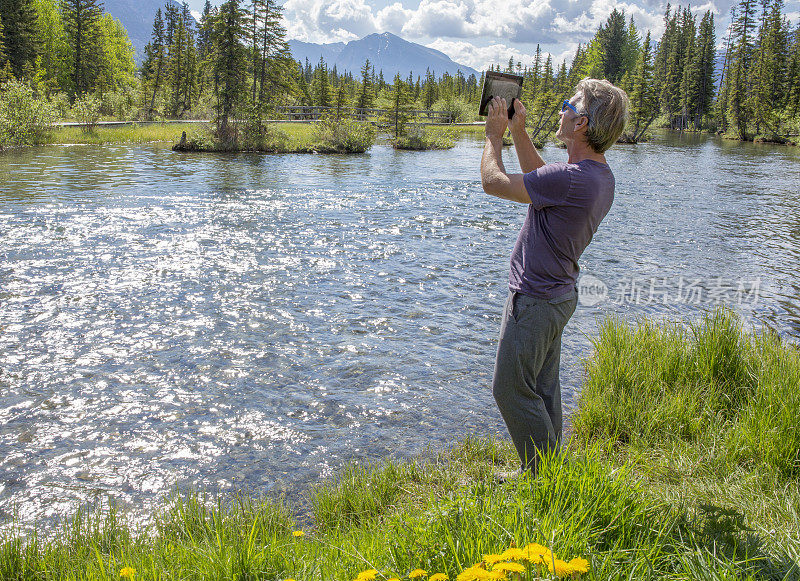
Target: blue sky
478 33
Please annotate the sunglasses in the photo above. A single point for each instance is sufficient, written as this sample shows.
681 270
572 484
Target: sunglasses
566 104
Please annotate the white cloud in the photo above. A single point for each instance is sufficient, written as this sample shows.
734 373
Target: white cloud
482 57
328 21
439 18
582 24
392 18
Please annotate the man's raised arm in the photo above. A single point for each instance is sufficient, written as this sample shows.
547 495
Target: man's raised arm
529 158
494 178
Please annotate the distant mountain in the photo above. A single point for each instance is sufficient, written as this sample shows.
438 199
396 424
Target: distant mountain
387 52
137 17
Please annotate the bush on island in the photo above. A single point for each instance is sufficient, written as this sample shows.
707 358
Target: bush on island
60 104
333 135
25 119
420 138
86 110
460 111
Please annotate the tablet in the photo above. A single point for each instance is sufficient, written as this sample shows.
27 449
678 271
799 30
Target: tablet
504 85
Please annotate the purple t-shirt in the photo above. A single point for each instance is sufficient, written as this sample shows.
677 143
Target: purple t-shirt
568 202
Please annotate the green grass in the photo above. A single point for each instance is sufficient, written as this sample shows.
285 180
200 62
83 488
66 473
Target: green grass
103 134
681 467
300 134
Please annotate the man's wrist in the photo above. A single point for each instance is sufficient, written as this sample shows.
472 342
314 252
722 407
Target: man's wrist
518 130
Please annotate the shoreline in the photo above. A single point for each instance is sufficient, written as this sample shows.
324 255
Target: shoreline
299 132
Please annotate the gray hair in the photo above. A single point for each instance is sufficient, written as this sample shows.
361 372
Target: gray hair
606 106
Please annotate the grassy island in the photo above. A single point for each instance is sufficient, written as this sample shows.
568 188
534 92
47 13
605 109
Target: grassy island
421 138
327 135
683 464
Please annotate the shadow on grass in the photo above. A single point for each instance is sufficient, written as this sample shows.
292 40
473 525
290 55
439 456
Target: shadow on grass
724 531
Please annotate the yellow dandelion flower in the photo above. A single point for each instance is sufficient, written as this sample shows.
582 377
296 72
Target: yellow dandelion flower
288 580
474 573
439 577
579 565
128 572
393 579
513 554
509 567
537 554
367 575
497 575
417 573
298 534
559 568
492 559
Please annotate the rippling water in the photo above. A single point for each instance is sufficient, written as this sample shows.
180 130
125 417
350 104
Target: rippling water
248 321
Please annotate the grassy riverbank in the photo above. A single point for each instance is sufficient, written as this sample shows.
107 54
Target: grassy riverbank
684 465
300 134
109 134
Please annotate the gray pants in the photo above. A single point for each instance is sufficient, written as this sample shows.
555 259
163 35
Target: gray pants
526 386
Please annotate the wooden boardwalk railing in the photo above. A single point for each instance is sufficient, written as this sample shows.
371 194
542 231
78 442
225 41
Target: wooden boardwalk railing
312 113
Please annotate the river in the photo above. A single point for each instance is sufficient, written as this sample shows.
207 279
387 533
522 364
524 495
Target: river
252 322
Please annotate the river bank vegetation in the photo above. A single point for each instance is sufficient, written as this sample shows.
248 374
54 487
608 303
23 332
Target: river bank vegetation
234 65
683 464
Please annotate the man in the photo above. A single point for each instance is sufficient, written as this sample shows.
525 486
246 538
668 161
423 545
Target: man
566 203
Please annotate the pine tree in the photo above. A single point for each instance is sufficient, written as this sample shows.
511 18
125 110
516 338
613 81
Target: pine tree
342 99
577 67
770 63
204 46
663 50
19 34
721 101
688 88
204 31
738 102
703 67
277 70
633 46
644 97
303 90
230 65
613 39
561 78
320 87
255 17
793 76
189 81
401 106
429 93
154 63
176 53
82 27
367 94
